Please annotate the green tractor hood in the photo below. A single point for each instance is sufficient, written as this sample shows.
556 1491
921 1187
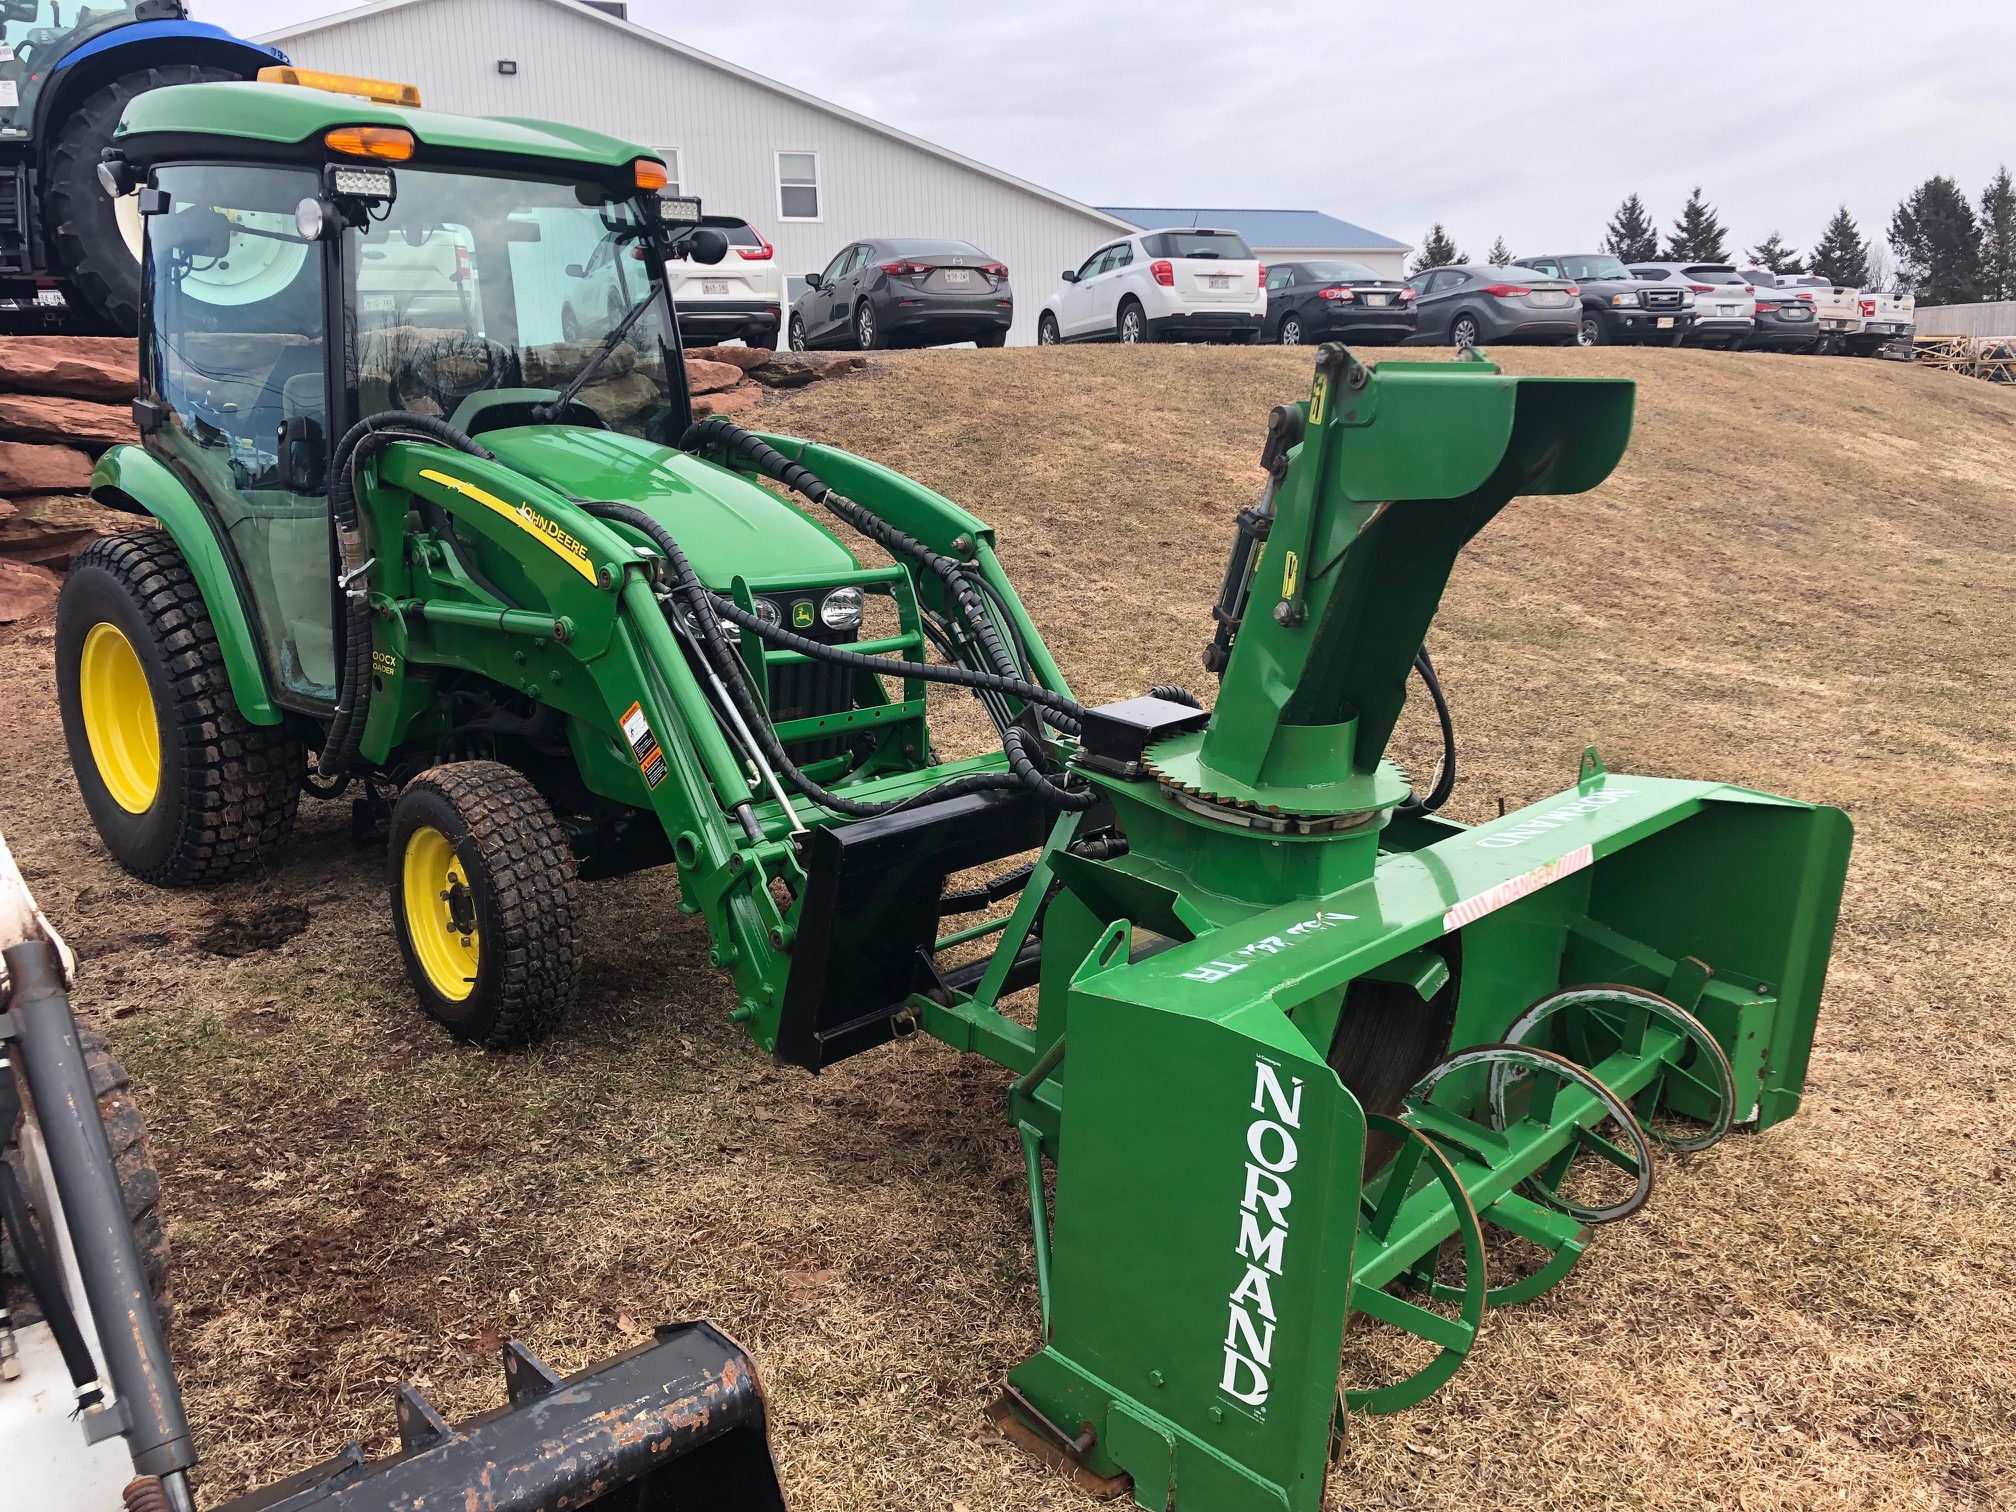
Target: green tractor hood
725 522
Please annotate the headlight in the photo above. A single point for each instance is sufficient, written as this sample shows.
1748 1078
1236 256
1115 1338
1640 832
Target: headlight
842 609
1624 299
769 613
310 219
691 625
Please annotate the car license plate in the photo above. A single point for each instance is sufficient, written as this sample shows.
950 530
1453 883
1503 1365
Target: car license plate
1664 322
1728 309
1217 281
1375 299
1550 297
714 288
957 276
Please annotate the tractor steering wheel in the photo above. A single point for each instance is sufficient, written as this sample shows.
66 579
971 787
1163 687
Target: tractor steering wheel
487 364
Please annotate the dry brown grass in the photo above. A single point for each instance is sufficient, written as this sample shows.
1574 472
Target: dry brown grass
1800 579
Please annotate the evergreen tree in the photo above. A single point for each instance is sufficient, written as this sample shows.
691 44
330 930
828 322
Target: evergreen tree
1500 254
1998 237
1633 238
1698 235
1772 255
1840 256
1438 251
1938 244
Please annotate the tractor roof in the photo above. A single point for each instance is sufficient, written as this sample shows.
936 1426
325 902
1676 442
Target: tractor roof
286 115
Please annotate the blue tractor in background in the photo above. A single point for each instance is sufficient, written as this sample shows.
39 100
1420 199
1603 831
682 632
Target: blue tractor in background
69 252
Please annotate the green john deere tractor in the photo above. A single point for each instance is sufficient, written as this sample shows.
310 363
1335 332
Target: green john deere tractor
1292 1043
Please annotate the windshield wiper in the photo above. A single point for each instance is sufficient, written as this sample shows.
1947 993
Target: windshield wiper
546 414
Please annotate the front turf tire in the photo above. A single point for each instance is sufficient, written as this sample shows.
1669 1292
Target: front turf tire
1047 333
484 900
182 787
796 338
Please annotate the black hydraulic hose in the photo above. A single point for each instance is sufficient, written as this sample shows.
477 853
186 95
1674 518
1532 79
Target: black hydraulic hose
359 445
704 605
1170 693
45 1285
1445 778
1072 800
801 479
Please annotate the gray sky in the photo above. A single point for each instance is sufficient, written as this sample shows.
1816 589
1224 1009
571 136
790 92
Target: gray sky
1525 121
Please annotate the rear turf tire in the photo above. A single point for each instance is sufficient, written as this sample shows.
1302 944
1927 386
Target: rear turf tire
1131 325
1291 330
182 787
93 252
990 339
495 960
762 341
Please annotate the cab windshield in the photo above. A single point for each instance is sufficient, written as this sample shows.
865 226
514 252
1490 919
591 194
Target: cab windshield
470 283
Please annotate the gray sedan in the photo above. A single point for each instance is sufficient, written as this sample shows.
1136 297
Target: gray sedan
1468 305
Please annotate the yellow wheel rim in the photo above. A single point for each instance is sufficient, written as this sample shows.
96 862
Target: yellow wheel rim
441 914
119 719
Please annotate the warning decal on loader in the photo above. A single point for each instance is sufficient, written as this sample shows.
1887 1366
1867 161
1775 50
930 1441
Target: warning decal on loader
637 730
550 535
1470 910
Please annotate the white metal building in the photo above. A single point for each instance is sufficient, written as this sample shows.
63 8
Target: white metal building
808 175
1283 235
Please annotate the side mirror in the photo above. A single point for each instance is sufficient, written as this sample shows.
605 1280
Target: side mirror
575 270
304 455
815 280
706 244
1070 275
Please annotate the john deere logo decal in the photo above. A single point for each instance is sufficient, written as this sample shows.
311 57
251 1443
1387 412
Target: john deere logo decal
555 538
801 615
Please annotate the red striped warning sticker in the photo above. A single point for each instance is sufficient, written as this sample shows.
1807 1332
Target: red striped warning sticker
1470 910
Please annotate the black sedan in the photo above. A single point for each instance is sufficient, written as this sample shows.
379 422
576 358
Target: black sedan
1322 301
905 291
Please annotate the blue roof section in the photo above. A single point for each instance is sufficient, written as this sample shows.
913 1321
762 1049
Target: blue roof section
1262 228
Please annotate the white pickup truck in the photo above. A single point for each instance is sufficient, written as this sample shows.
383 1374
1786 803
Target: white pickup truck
1836 308
1885 318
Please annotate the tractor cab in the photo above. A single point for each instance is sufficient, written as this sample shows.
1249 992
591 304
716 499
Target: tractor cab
457 263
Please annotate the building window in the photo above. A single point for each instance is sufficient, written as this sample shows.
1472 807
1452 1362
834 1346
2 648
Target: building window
674 179
798 186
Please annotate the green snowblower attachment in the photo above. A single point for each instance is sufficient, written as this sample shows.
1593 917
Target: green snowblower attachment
1300 1048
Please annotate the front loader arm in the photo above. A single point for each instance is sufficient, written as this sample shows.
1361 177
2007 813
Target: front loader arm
527 590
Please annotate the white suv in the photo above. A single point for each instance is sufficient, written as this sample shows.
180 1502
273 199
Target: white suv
741 295
1186 283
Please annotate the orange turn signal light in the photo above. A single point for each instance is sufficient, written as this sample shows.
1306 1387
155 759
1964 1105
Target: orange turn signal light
382 91
651 175
389 144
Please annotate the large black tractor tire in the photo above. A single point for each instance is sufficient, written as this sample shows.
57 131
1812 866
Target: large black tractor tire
126 1131
182 787
483 899
93 257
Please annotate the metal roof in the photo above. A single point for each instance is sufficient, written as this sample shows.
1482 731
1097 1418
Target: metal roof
1264 228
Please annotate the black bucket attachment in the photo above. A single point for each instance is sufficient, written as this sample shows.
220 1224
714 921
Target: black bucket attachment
677 1425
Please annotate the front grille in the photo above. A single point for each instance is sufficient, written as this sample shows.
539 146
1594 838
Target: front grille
806 690
1660 299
